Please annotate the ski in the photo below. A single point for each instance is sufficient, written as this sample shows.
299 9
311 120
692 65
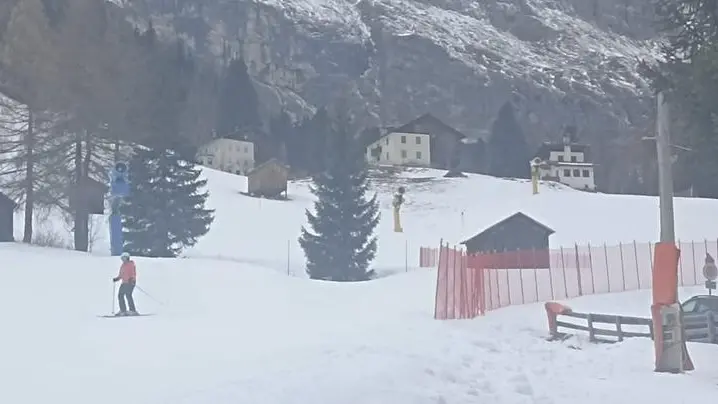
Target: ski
118 316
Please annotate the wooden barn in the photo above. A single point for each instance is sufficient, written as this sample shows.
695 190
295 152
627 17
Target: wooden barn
268 180
518 241
7 214
92 193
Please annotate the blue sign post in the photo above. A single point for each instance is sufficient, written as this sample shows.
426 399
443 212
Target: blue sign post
119 188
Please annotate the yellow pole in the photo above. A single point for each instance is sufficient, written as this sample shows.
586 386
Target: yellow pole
397 220
534 179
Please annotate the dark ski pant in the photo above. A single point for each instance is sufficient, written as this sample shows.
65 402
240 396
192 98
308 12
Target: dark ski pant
126 290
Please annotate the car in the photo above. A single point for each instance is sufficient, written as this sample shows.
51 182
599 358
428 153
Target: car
700 304
694 318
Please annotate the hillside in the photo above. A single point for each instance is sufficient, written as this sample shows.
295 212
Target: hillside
561 61
264 232
233 333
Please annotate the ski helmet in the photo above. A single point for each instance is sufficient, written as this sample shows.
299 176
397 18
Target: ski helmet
125 256
402 190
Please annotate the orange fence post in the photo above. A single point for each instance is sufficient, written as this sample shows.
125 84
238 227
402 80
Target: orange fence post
578 271
590 264
623 268
563 271
608 271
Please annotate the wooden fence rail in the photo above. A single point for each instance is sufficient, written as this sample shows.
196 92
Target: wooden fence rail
596 334
700 328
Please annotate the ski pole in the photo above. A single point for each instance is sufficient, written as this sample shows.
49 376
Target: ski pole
149 295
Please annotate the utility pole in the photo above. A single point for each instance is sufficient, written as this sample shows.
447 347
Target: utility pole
665 171
671 352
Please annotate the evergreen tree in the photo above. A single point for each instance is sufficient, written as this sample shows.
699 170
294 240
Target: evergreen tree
339 244
165 211
507 148
688 77
238 108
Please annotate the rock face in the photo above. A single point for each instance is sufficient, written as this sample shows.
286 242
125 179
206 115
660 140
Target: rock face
562 62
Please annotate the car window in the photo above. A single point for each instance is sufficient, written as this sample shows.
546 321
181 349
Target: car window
713 303
701 307
690 306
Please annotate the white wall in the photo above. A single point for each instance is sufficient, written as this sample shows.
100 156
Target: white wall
402 149
567 155
575 176
228 155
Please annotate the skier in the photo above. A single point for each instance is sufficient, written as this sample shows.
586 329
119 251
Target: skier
128 276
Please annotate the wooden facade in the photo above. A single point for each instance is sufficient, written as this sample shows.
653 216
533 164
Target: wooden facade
7 219
516 242
92 193
446 142
268 179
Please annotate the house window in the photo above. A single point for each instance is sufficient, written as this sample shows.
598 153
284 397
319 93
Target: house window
574 159
403 154
386 141
387 156
576 173
566 173
418 155
246 149
403 139
560 158
586 173
418 140
209 161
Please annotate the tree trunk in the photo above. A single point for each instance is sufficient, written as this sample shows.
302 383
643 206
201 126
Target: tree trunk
29 178
82 217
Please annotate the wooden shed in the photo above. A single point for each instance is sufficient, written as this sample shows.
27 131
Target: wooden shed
522 241
92 193
268 179
7 215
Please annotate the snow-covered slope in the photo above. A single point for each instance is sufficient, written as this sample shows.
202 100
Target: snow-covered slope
436 208
229 332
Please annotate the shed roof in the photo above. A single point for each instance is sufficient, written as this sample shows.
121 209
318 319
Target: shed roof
429 118
270 162
517 215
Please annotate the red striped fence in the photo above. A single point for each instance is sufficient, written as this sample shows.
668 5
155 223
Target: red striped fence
468 285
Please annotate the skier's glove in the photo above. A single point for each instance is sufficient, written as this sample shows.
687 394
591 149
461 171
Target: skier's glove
133 281
115 279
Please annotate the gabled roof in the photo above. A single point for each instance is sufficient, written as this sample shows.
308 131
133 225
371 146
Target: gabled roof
517 215
272 161
424 119
544 151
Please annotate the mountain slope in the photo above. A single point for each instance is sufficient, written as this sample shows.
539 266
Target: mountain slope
561 61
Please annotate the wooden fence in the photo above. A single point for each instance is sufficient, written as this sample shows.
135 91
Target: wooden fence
593 324
520 277
700 328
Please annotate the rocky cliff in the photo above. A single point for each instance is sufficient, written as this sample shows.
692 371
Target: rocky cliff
561 61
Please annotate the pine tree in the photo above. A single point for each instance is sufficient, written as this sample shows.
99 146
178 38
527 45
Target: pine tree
238 107
340 245
165 211
507 147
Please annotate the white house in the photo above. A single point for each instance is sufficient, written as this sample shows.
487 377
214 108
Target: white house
230 155
399 148
567 163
